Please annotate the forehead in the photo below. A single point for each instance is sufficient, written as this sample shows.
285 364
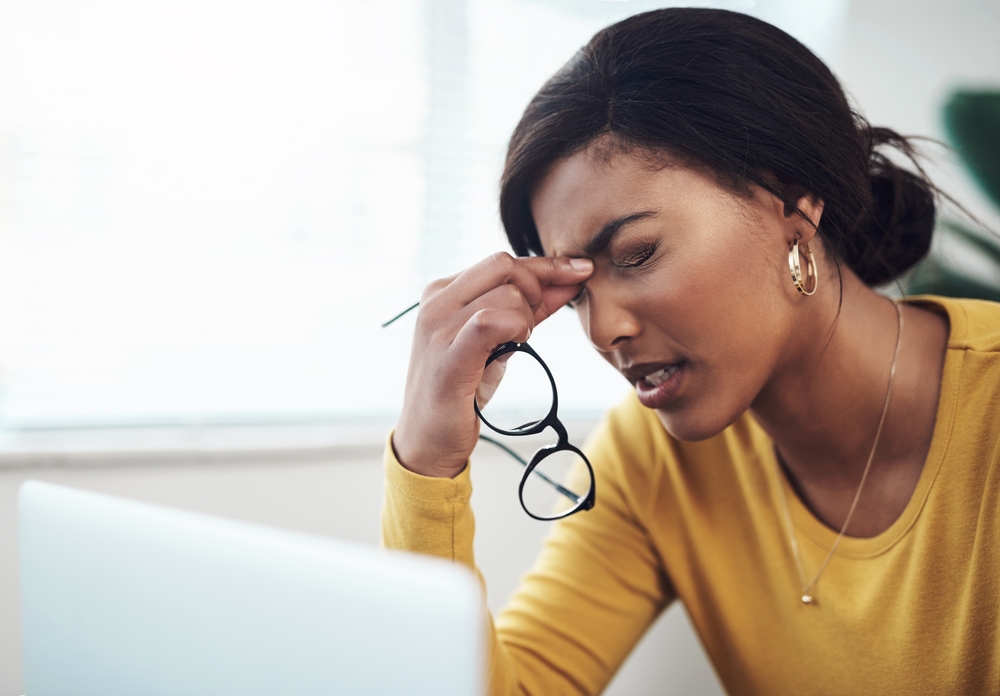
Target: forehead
582 193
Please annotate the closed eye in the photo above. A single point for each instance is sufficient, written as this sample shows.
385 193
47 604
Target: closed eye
638 256
576 298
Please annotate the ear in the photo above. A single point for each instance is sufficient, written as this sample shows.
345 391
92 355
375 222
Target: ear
807 204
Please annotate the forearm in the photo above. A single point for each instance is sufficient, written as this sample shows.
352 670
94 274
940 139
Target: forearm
594 590
433 516
427 515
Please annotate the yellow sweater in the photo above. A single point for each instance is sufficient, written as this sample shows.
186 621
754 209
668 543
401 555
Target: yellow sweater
915 610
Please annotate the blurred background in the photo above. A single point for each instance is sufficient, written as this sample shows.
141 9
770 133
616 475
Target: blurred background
208 207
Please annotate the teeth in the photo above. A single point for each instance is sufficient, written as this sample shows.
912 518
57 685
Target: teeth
661 376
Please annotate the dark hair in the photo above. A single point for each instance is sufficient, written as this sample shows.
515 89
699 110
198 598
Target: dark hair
732 93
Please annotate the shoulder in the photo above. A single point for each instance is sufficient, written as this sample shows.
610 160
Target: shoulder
631 435
637 453
632 426
974 324
634 429
972 360
967 430
627 450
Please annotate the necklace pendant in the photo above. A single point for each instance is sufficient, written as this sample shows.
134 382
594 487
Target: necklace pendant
807 598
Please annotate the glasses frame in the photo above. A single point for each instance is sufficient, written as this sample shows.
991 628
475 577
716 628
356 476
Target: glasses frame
551 420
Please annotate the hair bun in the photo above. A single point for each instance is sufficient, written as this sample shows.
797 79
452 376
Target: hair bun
898 226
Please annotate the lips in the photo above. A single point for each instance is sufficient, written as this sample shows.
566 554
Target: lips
656 384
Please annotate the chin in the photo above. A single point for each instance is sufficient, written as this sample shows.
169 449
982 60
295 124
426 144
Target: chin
687 426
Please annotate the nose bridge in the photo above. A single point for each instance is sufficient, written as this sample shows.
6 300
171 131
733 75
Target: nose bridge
609 321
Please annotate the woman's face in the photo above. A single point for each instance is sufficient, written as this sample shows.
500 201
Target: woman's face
691 297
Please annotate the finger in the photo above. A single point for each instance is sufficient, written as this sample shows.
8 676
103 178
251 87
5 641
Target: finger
491 380
445 326
498 269
529 274
554 298
507 296
558 270
436 286
560 279
487 329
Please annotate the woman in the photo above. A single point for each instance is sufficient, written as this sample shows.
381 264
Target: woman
810 467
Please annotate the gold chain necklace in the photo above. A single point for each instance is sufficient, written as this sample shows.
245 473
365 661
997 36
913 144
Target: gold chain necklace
807 597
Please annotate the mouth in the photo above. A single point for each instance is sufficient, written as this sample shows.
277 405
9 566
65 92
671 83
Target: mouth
660 376
657 384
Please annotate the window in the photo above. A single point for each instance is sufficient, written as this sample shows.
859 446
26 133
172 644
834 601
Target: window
208 206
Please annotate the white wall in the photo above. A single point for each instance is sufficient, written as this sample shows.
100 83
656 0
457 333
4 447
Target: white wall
900 59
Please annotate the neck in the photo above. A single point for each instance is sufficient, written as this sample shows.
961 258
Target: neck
822 407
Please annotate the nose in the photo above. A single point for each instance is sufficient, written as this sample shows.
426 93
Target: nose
609 324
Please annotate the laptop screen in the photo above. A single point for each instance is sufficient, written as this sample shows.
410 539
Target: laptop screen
122 597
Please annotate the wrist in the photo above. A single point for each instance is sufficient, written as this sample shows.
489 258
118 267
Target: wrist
421 462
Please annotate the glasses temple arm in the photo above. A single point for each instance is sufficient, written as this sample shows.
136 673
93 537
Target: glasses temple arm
562 489
404 312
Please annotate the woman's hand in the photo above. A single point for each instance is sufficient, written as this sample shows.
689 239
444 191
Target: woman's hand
462 320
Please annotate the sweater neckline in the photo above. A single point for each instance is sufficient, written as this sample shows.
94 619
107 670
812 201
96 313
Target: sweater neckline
812 528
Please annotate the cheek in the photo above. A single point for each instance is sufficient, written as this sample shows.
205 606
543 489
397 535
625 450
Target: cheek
723 305
695 298
747 340
721 313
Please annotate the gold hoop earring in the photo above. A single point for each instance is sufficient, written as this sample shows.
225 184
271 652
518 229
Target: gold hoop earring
796 269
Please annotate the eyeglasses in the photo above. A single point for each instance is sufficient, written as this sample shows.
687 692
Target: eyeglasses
551 464
558 481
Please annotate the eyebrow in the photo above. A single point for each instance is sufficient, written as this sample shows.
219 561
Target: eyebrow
603 239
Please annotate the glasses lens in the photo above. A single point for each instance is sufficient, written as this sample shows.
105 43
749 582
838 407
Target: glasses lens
559 484
523 397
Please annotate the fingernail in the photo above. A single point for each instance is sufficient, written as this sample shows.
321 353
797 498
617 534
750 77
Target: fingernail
581 264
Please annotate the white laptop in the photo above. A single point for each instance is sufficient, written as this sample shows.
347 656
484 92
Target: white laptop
121 598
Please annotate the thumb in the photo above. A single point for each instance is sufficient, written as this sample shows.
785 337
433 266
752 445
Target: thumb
491 380
554 298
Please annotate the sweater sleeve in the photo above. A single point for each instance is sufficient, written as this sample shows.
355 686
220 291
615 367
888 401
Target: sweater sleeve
425 514
594 590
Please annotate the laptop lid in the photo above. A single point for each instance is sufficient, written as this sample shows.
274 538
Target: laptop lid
120 597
